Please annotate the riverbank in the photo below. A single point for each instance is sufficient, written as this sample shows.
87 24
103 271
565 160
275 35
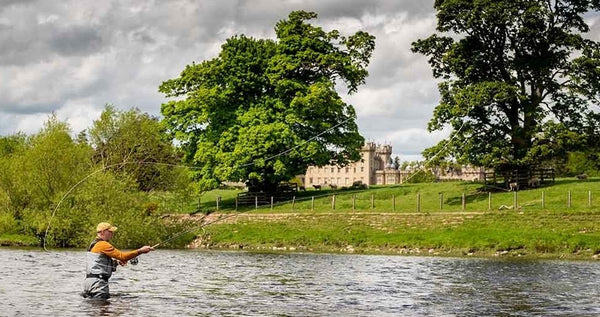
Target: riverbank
561 221
547 235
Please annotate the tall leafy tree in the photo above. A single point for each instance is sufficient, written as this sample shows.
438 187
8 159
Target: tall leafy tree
133 143
41 168
263 110
519 80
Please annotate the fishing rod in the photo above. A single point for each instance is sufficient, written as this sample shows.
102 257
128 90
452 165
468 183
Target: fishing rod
422 169
202 224
166 164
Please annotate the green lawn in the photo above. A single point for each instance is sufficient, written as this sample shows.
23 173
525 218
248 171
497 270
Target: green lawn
377 225
429 197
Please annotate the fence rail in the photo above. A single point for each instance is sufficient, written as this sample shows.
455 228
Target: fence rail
519 178
480 201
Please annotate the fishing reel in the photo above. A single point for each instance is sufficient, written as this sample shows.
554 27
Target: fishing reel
134 261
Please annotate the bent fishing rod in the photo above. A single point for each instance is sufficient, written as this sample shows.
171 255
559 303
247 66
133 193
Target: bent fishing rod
168 164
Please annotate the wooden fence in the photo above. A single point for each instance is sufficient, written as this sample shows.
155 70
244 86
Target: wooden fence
410 204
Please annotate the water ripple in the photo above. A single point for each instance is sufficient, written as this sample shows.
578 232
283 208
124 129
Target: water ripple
207 283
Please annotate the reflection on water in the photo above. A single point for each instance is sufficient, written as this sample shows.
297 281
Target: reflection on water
206 283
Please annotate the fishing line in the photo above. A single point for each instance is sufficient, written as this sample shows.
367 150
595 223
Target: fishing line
165 164
88 176
221 218
442 149
299 145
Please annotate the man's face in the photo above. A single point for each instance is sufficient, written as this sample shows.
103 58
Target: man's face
106 235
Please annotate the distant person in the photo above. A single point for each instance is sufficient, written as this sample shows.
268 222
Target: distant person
102 260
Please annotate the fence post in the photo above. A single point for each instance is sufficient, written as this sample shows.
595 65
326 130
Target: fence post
569 200
489 200
312 205
271 202
372 201
589 198
418 202
218 200
543 199
255 202
353 202
333 202
441 201
515 200
464 202
293 202
393 202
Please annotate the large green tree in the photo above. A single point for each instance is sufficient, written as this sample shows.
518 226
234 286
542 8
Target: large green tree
263 110
134 144
519 81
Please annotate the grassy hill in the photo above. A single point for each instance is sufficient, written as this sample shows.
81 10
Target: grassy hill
392 220
427 197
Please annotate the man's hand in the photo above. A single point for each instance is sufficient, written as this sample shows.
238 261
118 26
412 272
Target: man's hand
145 249
122 263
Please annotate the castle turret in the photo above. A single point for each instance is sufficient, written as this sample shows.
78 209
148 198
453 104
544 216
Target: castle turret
385 153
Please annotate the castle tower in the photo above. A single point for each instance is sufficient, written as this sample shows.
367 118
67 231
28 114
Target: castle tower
385 153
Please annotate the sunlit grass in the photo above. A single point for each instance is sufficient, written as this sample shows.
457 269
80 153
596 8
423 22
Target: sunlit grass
368 221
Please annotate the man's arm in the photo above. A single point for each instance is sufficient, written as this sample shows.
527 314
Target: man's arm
109 250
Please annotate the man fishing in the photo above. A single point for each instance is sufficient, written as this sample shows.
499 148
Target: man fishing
102 260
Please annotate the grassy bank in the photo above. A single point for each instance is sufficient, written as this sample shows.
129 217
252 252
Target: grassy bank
558 221
561 220
546 235
563 195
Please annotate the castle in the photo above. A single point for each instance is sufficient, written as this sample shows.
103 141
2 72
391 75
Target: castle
376 168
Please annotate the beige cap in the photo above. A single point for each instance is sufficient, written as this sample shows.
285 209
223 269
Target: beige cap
105 226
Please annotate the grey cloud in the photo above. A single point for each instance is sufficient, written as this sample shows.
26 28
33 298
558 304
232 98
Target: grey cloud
77 40
27 108
5 4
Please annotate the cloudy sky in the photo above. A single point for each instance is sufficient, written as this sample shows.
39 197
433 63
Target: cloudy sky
72 57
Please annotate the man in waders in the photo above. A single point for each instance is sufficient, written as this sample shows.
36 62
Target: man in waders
102 260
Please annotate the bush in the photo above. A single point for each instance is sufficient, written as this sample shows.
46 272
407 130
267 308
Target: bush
8 224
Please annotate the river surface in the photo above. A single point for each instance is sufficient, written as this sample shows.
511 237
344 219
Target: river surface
214 283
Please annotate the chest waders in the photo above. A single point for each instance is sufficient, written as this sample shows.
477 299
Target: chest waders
98 269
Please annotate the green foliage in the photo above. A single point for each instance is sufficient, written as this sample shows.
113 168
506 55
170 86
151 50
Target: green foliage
52 193
580 163
133 143
519 80
421 176
262 98
8 224
12 144
42 169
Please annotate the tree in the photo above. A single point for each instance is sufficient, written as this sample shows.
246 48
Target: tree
12 144
518 80
40 168
134 144
396 162
263 110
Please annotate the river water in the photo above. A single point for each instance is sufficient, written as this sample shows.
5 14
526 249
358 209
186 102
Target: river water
213 283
